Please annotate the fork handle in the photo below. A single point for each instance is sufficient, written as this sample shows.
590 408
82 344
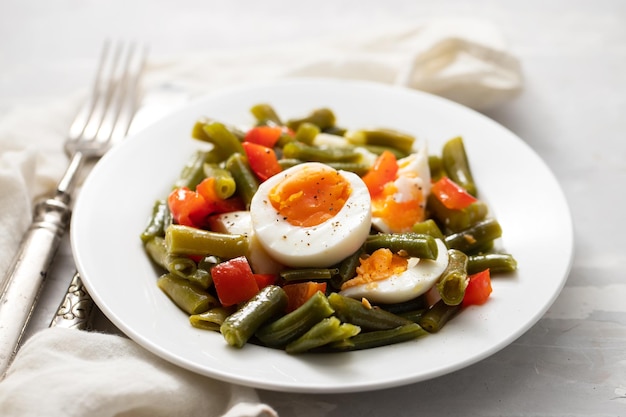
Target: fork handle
22 284
77 308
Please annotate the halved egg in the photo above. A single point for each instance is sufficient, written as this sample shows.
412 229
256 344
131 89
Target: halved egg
311 215
402 202
389 278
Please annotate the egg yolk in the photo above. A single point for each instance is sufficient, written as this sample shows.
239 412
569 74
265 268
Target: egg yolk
400 216
310 197
380 265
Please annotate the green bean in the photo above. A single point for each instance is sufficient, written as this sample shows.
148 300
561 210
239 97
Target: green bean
201 277
476 238
457 220
211 319
381 137
225 185
495 262
245 180
435 164
379 149
181 266
187 296
265 114
323 118
304 152
453 281
436 317
308 274
158 221
352 311
224 141
198 130
347 269
291 326
410 305
456 164
307 132
193 171
428 227
411 244
157 251
414 315
369 340
326 331
240 326
335 130
487 247
358 168
185 240
289 162
283 139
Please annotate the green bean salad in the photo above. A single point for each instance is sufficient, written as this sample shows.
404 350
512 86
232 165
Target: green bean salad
304 235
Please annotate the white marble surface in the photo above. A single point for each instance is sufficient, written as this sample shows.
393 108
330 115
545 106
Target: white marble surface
573 361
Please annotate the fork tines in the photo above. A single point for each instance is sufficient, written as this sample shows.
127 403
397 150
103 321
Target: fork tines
106 116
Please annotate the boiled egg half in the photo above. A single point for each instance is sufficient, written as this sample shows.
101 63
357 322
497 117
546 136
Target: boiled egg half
311 215
389 278
402 202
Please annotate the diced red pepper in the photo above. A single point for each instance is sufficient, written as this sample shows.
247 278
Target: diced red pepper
264 135
298 293
451 195
262 160
234 281
192 208
384 170
196 258
217 205
478 288
263 280
188 207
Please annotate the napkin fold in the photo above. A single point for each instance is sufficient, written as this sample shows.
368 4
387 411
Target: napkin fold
75 373
465 60
65 372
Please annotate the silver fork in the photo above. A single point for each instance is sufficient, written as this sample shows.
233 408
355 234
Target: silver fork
101 122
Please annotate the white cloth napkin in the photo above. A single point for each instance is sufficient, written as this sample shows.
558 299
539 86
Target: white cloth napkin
65 372
74 373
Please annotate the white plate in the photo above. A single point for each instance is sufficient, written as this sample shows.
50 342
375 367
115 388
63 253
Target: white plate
117 198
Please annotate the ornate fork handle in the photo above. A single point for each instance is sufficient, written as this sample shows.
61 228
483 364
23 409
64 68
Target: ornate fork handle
77 309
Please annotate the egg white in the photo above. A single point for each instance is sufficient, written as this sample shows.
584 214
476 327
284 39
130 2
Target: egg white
317 246
419 278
